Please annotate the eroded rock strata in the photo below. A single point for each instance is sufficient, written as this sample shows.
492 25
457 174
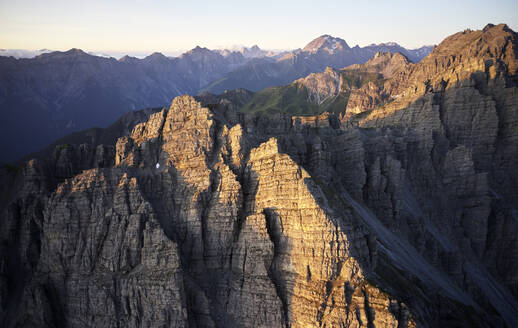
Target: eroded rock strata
399 217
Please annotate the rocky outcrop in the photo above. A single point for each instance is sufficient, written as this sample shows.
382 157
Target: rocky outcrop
321 87
384 63
234 228
246 220
348 91
365 98
326 43
365 82
225 232
324 120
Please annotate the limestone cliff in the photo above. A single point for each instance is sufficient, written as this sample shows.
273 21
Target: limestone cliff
227 231
321 87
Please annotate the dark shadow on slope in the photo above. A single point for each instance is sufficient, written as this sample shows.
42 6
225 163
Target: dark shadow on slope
430 194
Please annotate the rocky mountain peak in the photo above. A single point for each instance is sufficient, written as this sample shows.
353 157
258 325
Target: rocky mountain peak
198 50
265 150
385 63
253 52
199 53
379 54
326 43
75 51
156 56
330 70
128 59
490 26
492 51
390 44
321 86
494 41
72 53
184 103
382 56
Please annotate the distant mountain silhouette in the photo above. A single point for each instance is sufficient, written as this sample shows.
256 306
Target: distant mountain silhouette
320 53
53 94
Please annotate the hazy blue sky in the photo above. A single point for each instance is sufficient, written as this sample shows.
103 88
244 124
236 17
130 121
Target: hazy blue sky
145 26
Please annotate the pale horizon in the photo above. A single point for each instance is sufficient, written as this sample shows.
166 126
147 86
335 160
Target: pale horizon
136 26
175 53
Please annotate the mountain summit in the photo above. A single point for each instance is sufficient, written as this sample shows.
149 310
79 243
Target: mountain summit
326 43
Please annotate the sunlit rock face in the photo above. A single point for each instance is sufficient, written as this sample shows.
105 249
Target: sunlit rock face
401 217
253 223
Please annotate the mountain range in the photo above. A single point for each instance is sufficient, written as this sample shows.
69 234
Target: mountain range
400 210
314 57
56 93
336 91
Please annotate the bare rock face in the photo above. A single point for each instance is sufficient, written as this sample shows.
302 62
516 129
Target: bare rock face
385 63
115 263
259 221
452 117
326 43
321 86
354 89
365 98
372 93
226 231
477 59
